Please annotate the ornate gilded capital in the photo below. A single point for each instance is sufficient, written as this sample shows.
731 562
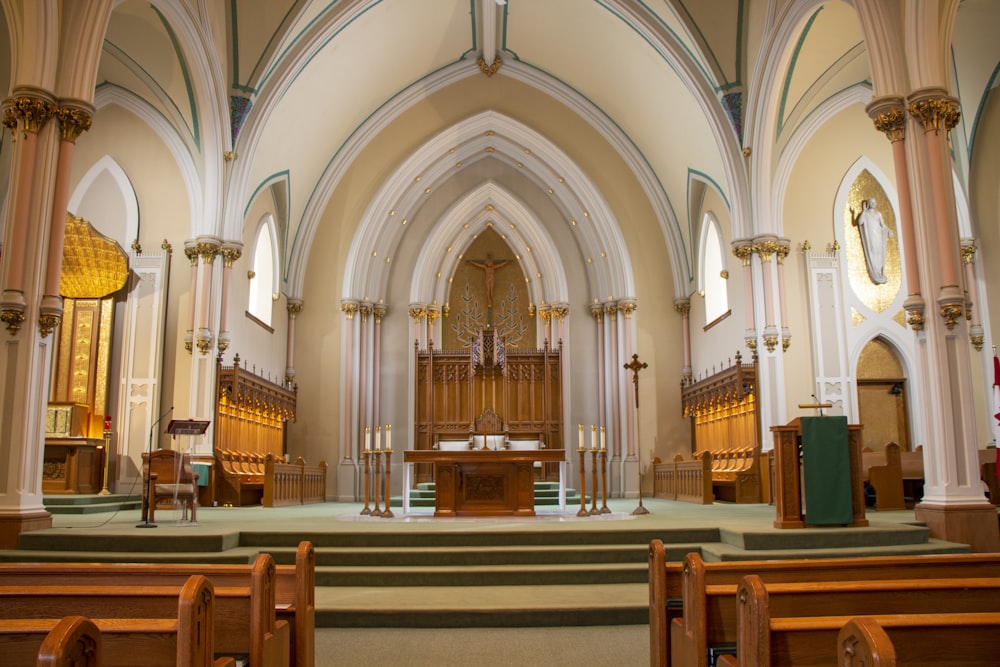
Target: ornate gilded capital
744 252
968 252
349 308
545 312
433 312
204 345
560 311
627 308
770 342
783 248
207 251
47 323
366 309
765 249
73 121
489 70
611 310
293 308
28 110
13 318
380 310
230 255
191 252
417 312
683 308
166 247
951 312
935 110
597 311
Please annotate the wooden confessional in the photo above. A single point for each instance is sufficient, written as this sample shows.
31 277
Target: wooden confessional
488 395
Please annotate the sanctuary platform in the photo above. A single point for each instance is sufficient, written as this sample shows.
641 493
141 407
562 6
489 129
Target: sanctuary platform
418 571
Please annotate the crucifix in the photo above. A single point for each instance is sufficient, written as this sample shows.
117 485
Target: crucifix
488 267
635 366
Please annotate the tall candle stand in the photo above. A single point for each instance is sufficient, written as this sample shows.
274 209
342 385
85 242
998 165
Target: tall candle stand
604 481
367 453
107 456
593 495
387 513
583 482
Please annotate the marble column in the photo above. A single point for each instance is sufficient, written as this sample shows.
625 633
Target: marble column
231 252
780 253
743 250
348 472
683 308
294 307
765 247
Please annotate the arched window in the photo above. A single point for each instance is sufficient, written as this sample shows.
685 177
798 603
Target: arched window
264 269
714 275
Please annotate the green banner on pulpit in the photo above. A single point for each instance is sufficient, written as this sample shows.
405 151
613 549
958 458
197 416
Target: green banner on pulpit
826 473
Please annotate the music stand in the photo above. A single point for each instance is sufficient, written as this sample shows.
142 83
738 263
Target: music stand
178 427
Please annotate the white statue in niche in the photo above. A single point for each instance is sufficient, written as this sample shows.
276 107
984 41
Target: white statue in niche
874 239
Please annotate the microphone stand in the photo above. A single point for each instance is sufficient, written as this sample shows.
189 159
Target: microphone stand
149 473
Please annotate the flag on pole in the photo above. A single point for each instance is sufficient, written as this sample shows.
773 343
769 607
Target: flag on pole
996 398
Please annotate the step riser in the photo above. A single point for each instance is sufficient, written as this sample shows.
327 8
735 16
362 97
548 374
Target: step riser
404 558
376 578
478 619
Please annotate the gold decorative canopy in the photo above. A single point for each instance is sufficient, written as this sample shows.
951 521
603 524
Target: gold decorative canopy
93 265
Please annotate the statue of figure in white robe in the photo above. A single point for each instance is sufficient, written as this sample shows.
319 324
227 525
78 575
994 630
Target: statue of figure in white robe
874 239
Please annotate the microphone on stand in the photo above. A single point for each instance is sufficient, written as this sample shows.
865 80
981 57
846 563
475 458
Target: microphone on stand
149 478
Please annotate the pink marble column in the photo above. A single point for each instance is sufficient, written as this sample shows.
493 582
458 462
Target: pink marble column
938 112
611 311
628 307
683 307
25 115
379 312
192 254
417 312
545 313
889 116
972 310
294 307
433 313
230 253
765 248
207 248
349 308
364 370
560 311
780 253
744 250
598 313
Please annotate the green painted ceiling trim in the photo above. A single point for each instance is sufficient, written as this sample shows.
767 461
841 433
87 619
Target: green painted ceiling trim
791 68
706 74
286 176
993 83
739 46
473 20
234 35
319 49
185 74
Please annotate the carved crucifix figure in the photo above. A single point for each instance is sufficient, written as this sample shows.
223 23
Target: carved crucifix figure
489 268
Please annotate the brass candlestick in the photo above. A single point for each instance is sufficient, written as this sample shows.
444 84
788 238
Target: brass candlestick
604 481
593 468
377 477
107 457
583 483
387 513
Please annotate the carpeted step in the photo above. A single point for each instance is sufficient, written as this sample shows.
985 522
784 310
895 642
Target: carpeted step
483 606
459 556
483 575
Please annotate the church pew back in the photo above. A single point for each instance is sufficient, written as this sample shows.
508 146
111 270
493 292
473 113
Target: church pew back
805 636
74 642
294 586
862 642
678 590
244 616
186 639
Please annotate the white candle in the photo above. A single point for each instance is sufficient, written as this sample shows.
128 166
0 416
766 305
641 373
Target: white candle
378 438
581 436
388 437
368 438
603 441
593 437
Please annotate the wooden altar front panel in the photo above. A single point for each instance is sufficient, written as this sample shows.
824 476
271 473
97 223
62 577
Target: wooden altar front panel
788 475
73 465
484 482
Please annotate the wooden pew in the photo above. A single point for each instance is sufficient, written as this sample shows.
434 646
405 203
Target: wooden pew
930 622
185 639
685 481
244 622
682 615
295 586
862 642
74 642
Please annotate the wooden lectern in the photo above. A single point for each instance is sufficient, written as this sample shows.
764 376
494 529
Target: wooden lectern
788 482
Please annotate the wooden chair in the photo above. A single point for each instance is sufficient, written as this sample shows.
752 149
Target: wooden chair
171 480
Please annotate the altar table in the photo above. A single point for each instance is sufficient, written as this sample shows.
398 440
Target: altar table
484 482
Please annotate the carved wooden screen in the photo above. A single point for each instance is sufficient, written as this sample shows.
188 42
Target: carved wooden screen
251 411
455 387
724 408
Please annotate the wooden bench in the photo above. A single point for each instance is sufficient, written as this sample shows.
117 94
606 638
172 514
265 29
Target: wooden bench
294 586
736 475
74 642
679 592
239 478
862 642
185 639
293 483
896 477
930 622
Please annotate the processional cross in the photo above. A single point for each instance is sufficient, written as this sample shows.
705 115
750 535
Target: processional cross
635 366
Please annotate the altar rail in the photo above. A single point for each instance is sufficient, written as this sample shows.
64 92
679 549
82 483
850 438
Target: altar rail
293 483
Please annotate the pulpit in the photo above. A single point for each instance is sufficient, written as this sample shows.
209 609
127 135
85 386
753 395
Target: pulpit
169 477
817 464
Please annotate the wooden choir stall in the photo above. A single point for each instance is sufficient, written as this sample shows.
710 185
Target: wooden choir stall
250 467
488 425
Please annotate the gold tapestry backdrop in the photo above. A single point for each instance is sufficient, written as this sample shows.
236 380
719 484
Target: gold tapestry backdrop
469 310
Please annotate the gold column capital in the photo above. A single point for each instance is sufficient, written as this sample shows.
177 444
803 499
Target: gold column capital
294 307
934 109
380 310
207 249
191 252
28 109
74 118
597 310
888 114
349 308
782 248
611 310
683 307
433 312
230 254
765 248
417 311
560 311
366 309
627 307
968 251
545 313
743 250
